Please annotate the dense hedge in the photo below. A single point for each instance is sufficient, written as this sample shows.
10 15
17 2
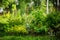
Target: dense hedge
33 23
53 21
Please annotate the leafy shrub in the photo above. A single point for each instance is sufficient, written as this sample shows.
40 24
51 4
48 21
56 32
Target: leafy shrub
3 22
40 30
16 21
53 21
8 21
36 21
16 29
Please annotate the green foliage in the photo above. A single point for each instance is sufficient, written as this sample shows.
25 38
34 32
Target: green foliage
28 37
3 20
16 20
11 24
5 3
36 21
53 22
16 29
53 19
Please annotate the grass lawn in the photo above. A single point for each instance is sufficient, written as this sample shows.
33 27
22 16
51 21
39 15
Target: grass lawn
29 37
